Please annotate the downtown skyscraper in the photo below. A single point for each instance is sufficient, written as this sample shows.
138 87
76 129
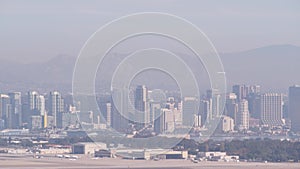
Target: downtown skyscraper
242 91
35 111
294 107
5 112
16 109
243 115
271 109
56 107
141 104
36 103
189 109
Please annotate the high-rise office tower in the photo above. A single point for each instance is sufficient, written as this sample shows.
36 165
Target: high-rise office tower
240 91
36 103
154 111
231 106
169 121
35 109
165 123
214 98
189 109
120 120
271 109
130 105
216 105
33 100
105 107
254 105
108 114
205 111
141 104
42 104
243 115
294 107
159 121
177 116
141 96
5 111
56 107
16 109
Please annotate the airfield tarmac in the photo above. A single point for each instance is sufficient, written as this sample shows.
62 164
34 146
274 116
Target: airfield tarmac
8 161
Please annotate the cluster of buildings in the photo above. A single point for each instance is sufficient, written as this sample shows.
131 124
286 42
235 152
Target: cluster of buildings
149 112
246 107
32 111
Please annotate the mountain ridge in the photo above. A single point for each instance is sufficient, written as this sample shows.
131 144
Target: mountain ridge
273 65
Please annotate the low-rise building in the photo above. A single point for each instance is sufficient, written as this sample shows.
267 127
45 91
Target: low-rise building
217 156
88 148
147 154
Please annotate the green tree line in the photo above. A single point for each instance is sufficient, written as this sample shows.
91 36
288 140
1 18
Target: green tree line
252 149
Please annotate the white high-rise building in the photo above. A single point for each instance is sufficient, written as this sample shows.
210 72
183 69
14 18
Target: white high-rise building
36 103
205 111
231 107
169 121
178 117
41 100
197 120
271 108
227 124
214 98
243 115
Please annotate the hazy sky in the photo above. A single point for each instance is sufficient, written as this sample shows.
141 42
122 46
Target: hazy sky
33 30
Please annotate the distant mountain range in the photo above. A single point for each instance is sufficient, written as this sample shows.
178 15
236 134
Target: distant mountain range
275 67
58 69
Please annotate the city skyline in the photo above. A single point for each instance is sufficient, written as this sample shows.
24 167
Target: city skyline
177 84
243 104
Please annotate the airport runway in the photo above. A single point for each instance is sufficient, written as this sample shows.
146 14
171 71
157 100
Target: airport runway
51 162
